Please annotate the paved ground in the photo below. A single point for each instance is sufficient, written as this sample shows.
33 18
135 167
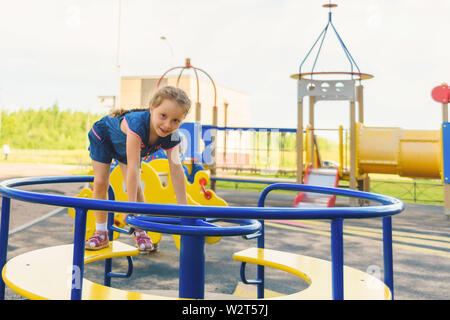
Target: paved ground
22 215
421 248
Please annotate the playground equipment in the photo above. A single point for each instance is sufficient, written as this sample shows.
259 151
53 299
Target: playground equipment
198 110
340 88
29 274
407 153
33 276
322 177
441 94
187 66
157 187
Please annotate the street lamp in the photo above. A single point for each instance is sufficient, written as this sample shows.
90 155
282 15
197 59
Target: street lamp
117 100
170 47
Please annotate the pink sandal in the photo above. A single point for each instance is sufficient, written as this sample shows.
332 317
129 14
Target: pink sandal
143 241
98 241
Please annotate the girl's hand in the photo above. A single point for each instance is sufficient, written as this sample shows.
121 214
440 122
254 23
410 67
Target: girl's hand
133 171
177 175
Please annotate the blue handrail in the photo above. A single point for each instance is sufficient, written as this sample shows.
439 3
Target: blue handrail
253 129
389 205
192 238
199 227
337 240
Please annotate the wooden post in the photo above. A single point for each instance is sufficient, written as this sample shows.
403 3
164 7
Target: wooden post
341 152
365 184
353 184
225 123
447 200
360 96
312 102
446 185
300 142
198 112
213 151
445 112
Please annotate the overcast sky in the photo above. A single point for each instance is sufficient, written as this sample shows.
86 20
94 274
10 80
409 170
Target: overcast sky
65 51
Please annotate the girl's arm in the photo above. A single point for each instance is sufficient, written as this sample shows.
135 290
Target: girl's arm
133 166
177 175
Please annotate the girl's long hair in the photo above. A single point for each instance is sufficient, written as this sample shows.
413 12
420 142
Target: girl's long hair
168 92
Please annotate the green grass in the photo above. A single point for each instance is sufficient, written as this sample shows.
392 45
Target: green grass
405 189
71 157
413 191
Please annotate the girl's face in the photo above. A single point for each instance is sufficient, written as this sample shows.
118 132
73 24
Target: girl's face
166 118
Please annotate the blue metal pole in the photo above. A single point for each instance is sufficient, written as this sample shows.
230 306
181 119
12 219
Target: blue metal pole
192 265
108 262
78 253
337 259
261 244
260 268
4 232
387 254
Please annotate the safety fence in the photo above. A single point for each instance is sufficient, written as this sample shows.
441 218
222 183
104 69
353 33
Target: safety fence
414 191
417 191
267 150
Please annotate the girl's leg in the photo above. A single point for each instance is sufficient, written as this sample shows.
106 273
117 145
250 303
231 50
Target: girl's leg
101 183
143 241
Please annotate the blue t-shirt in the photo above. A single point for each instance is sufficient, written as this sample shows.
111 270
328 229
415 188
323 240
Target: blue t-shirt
138 123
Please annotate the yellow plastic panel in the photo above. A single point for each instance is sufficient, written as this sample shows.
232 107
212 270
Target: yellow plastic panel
408 153
47 274
249 291
156 191
196 192
166 194
90 219
358 285
420 154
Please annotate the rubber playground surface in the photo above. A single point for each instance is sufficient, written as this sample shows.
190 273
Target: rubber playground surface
420 235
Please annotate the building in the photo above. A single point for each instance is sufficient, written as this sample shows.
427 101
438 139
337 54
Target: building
136 92
233 110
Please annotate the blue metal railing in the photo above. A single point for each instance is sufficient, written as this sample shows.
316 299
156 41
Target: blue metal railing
192 221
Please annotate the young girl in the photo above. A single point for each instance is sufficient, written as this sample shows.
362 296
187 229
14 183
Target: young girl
129 135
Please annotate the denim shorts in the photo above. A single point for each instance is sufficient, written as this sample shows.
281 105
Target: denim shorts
101 148
96 149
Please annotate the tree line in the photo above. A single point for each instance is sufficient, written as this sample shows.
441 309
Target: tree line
55 129
46 128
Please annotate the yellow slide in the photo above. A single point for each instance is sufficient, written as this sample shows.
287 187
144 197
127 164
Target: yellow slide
407 153
157 187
